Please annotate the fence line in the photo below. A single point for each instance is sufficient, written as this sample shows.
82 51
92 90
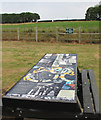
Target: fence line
38 34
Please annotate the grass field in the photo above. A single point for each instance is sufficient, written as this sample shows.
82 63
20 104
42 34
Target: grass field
19 57
85 24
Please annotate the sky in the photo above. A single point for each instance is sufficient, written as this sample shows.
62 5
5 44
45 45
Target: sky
49 9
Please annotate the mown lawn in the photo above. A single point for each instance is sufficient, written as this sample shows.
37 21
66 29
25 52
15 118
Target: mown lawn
18 57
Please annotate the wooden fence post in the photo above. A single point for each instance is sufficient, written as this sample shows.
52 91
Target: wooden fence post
18 33
36 34
56 34
79 34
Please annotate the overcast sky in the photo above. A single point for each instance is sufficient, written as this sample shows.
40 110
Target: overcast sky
52 9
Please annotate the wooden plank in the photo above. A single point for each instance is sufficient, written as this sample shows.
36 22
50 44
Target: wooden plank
94 90
87 102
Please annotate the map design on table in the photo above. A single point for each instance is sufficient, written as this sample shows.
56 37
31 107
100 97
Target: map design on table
52 78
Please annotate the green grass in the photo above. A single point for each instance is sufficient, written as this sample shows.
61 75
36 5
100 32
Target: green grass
74 24
18 57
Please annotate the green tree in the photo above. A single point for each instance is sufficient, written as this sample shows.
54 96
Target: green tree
29 17
20 18
93 13
36 17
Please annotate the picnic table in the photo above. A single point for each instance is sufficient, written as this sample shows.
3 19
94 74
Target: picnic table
53 88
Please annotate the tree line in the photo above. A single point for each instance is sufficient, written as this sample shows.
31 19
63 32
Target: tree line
20 18
93 13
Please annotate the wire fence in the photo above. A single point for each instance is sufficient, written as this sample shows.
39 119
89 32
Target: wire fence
59 34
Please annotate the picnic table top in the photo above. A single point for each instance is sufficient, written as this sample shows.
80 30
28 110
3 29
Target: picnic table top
53 78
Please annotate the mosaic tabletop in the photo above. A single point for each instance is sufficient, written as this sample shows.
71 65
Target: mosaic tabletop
53 78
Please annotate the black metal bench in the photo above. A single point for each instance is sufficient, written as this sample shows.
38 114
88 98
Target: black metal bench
88 95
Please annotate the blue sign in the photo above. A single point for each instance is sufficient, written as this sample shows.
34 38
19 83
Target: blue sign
69 30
